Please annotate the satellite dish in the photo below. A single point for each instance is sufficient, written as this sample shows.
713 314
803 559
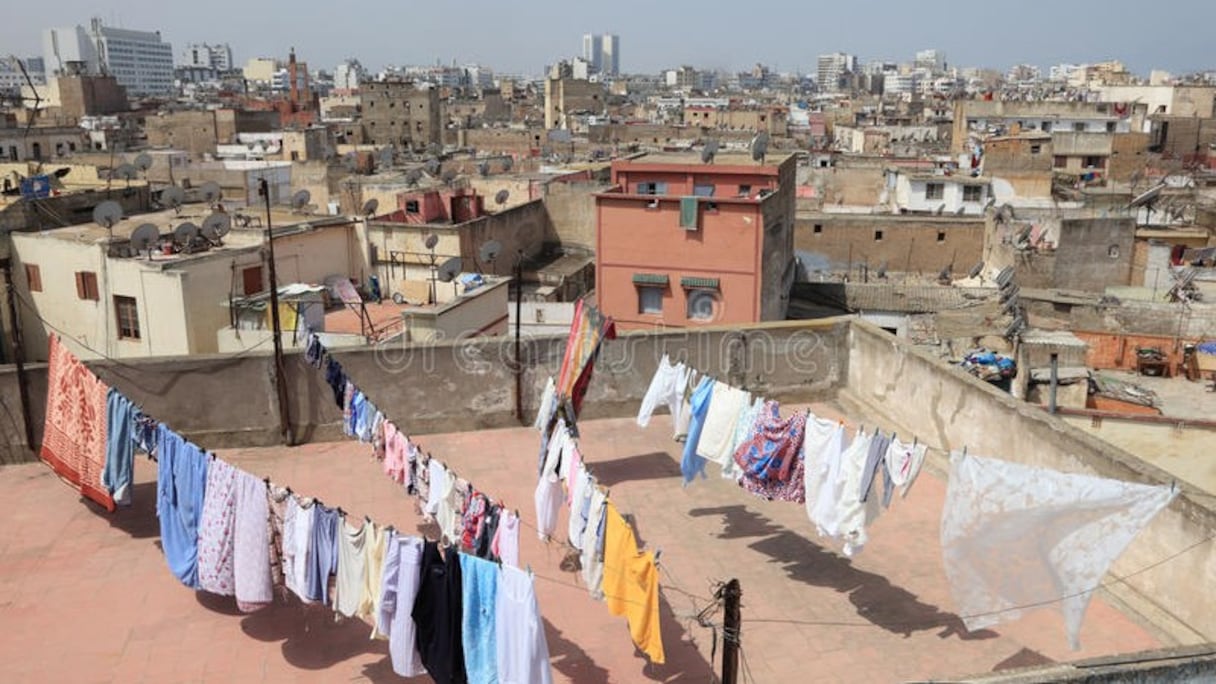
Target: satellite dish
431 241
107 213
449 176
449 269
211 192
145 237
125 172
216 226
976 270
502 196
490 251
709 151
413 176
882 270
507 163
185 233
939 210
960 211
1004 277
351 161
433 166
173 196
944 274
434 149
143 161
759 146
1024 236
483 169
369 207
300 199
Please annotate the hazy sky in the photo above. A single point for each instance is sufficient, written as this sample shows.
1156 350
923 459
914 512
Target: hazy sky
522 36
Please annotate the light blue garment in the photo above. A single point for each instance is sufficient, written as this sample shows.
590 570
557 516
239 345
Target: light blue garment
120 447
181 484
698 407
322 553
478 596
365 419
357 404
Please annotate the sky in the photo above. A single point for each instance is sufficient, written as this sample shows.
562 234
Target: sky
521 37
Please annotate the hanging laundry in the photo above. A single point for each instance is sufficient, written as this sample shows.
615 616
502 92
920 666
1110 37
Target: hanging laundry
903 464
770 460
486 533
276 503
143 432
437 486
580 506
437 612
314 351
395 447
852 514
478 601
335 377
559 440
548 404
402 575
1017 535
631 585
691 464
120 448
216 530
351 569
181 485
726 405
356 404
472 520
664 390
505 545
74 433
592 556
829 484
450 508
374 549
297 538
251 545
378 437
365 420
588 329
685 384
322 552
520 645
548 499
875 459
744 429
567 471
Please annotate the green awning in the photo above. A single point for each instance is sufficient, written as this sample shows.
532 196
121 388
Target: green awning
688 212
650 279
702 283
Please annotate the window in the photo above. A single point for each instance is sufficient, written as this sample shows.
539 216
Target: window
1093 162
817 228
701 304
86 285
1036 149
745 190
1110 126
1060 161
252 280
654 188
33 277
127 313
973 193
935 191
650 299
878 236
1079 127
703 190
411 206
941 236
1046 126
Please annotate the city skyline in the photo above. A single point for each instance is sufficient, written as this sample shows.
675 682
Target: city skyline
522 40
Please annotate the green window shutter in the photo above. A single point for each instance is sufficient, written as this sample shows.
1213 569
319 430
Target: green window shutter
688 212
650 279
699 283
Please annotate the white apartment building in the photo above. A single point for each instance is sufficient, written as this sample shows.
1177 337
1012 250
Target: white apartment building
218 56
348 75
832 67
139 60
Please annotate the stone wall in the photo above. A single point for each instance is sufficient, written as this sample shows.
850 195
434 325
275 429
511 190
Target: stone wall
908 244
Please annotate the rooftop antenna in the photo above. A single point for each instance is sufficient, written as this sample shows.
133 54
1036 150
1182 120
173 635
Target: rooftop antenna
759 146
369 207
489 252
709 151
173 196
216 226
501 197
184 235
299 201
144 238
431 241
211 192
960 211
448 272
107 214
36 97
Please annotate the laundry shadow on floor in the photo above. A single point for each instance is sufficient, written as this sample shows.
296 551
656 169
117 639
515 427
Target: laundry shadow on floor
685 663
568 658
312 639
1023 658
138 520
877 601
656 465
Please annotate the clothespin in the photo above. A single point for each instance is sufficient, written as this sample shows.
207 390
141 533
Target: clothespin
915 441
964 451
367 518
657 552
341 513
266 481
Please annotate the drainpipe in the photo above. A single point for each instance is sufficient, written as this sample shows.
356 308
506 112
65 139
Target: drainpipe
1055 383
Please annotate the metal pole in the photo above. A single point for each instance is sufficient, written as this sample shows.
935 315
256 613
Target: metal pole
23 383
519 362
1055 382
731 621
280 379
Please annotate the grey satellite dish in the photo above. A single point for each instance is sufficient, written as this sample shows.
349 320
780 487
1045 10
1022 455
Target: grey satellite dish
1024 236
1004 277
449 269
431 241
502 196
945 274
709 151
939 210
173 196
882 270
433 166
484 169
449 176
145 237
434 149
143 161
107 214
126 172
507 163
991 203
759 146
211 192
369 207
185 233
960 211
300 200
216 226
976 270
490 251
412 176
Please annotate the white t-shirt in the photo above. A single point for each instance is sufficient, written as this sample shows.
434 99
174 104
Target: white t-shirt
523 652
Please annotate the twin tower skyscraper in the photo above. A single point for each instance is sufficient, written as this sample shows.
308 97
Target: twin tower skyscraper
603 53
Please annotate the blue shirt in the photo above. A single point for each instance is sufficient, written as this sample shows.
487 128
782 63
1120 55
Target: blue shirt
479 591
181 483
322 553
120 447
698 406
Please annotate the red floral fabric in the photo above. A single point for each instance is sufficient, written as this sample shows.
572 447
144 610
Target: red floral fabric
74 435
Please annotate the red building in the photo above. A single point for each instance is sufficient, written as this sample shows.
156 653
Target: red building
682 243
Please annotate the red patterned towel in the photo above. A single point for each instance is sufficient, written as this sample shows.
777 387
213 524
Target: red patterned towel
74 438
